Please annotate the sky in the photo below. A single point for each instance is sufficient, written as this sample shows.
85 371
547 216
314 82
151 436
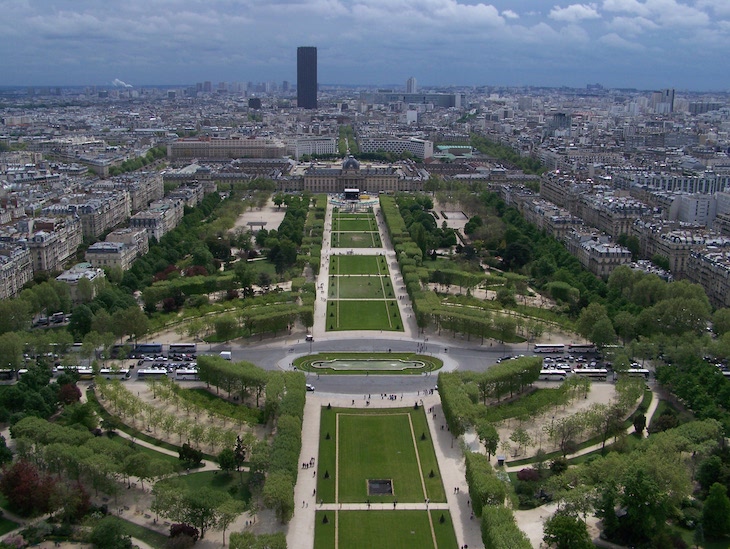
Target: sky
644 44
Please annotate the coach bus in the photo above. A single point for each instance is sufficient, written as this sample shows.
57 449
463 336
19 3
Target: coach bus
549 348
151 373
593 373
638 372
581 348
111 373
186 374
553 375
182 349
151 349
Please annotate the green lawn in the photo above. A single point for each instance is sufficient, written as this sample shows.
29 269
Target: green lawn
361 287
376 529
363 315
394 457
356 240
377 444
150 537
392 529
358 265
235 484
358 222
7 525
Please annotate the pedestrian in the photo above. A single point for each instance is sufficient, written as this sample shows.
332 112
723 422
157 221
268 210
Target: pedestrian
314 492
314 474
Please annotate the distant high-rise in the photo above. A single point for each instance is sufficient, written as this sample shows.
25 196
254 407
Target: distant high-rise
411 86
307 77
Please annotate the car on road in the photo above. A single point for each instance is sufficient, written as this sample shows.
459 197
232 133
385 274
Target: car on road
310 388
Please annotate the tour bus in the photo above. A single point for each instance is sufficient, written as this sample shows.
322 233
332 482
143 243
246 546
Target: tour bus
150 349
151 373
186 374
549 348
553 375
110 373
182 349
638 372
85 373
7 374
581 348
593 373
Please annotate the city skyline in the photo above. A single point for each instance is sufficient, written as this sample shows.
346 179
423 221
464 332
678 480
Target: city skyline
649 44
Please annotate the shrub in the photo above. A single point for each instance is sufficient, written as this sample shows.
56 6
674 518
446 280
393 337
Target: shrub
528 474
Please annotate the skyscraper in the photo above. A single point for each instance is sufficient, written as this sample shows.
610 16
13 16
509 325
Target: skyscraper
307 77
411 86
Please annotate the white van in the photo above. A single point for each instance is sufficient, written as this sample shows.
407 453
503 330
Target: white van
226 355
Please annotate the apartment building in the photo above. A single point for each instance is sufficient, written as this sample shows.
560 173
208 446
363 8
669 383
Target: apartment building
16 270
596 252
208 148
52 241
106 255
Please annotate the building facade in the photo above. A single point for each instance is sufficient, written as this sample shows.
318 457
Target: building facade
307 77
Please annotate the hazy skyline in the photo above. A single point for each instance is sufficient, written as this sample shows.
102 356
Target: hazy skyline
619 43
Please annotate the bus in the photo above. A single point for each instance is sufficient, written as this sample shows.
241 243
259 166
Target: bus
638 372
109 373
151 349
151 373
85 373
549 348
580 348
593 373
7 374
182 349
553 375
186 374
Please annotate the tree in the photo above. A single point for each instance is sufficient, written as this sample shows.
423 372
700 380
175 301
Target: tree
520 437
564 531
201 508
603 333
26 490
489 436
278 494
227 460
506 327
716 512
228 511
109 533
640 424
645 504
588 319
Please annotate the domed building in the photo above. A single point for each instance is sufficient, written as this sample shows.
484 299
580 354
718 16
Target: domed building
374 178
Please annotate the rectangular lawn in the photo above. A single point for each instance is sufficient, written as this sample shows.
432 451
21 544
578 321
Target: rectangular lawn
356 240
361 287
354 224
377 447
357 265
391 529
363 315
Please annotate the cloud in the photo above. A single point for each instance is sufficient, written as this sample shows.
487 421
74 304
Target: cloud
629 6
119 83
631 26
509 14
574 13
613 40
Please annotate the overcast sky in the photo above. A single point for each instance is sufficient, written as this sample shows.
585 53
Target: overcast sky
618 43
